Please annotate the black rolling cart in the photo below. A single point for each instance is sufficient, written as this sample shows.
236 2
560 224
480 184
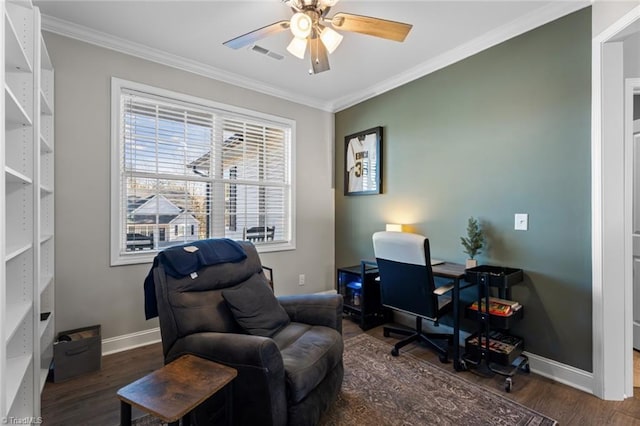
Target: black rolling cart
491 349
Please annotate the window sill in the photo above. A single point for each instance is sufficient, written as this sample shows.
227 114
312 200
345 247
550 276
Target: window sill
148 256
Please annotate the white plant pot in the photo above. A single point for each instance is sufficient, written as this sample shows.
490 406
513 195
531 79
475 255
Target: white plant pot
471 263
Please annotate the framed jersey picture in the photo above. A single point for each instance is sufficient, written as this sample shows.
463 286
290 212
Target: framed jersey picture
363 162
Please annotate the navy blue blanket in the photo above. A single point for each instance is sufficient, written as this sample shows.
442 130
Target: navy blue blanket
178 263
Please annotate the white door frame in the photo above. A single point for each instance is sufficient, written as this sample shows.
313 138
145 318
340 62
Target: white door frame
612 263
632 87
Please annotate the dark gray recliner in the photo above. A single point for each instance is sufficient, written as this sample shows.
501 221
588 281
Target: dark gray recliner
289 378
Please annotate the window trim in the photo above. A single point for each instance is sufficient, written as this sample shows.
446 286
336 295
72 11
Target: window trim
118 215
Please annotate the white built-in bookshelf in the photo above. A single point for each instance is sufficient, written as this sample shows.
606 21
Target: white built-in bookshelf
26 213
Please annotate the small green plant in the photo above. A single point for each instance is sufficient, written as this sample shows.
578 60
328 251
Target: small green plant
474 240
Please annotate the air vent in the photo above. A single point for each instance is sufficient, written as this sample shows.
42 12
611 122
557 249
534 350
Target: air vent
269 53
260 49
275 55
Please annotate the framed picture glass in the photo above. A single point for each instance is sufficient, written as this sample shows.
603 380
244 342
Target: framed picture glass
363 162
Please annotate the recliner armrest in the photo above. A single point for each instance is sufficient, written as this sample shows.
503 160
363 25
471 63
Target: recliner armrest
260 385
229 349
314 309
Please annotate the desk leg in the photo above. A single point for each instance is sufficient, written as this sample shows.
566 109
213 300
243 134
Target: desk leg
125 414
456 325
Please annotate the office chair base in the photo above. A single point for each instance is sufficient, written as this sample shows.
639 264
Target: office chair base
419 336
405 332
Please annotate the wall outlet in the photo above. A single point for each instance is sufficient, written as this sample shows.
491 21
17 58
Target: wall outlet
521 222
301 279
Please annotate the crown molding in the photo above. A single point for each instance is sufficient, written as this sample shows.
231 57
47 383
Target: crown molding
108 41
503 33
519 26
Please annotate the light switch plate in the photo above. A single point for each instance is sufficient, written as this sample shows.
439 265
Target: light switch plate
521 222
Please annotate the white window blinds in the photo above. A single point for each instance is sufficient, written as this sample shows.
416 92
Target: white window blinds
189 172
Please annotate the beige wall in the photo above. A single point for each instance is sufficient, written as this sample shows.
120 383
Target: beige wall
88 290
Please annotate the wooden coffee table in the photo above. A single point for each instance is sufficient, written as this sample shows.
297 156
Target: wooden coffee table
174 390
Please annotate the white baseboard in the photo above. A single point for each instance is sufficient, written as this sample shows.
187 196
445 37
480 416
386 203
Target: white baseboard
561 373
130 341
142 338
554 370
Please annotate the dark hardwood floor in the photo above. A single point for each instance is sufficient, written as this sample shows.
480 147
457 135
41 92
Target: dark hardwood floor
91 399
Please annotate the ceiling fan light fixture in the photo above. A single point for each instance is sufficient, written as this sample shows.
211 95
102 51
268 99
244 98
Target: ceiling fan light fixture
301 25
331 39
309 27
297 47
327 3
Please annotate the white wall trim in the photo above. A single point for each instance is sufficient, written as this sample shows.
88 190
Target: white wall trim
496 36
118 86
333 291
545 367
88 35
608 320
519 26
631 85
597 315
554 370
562 373
130 341
142 338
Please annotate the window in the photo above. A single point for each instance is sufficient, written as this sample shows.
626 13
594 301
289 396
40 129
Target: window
197 168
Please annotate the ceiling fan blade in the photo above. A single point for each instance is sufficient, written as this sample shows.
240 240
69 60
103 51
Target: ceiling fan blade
376 27
253 36
319 57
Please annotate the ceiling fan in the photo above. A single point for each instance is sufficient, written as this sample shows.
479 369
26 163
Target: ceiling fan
309 25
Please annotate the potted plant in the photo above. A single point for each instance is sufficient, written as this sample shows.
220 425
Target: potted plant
473 242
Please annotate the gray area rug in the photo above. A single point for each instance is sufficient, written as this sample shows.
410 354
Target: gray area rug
384 390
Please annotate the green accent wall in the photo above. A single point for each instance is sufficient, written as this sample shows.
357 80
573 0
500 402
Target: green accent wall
505 131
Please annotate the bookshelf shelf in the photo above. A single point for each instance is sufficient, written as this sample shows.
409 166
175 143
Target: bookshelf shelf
15 316
16 58
15 114
27 278
17 368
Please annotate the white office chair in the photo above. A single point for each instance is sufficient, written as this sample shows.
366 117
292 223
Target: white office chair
407 285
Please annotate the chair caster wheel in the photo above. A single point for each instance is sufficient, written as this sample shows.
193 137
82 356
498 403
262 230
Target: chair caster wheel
385 333
508 384
394 352
443 359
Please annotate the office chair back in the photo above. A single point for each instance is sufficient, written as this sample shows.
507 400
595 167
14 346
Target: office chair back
406 278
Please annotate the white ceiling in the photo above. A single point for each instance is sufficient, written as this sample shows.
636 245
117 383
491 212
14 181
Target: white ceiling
189 35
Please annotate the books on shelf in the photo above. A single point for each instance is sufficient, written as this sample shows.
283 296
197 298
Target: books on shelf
499 307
